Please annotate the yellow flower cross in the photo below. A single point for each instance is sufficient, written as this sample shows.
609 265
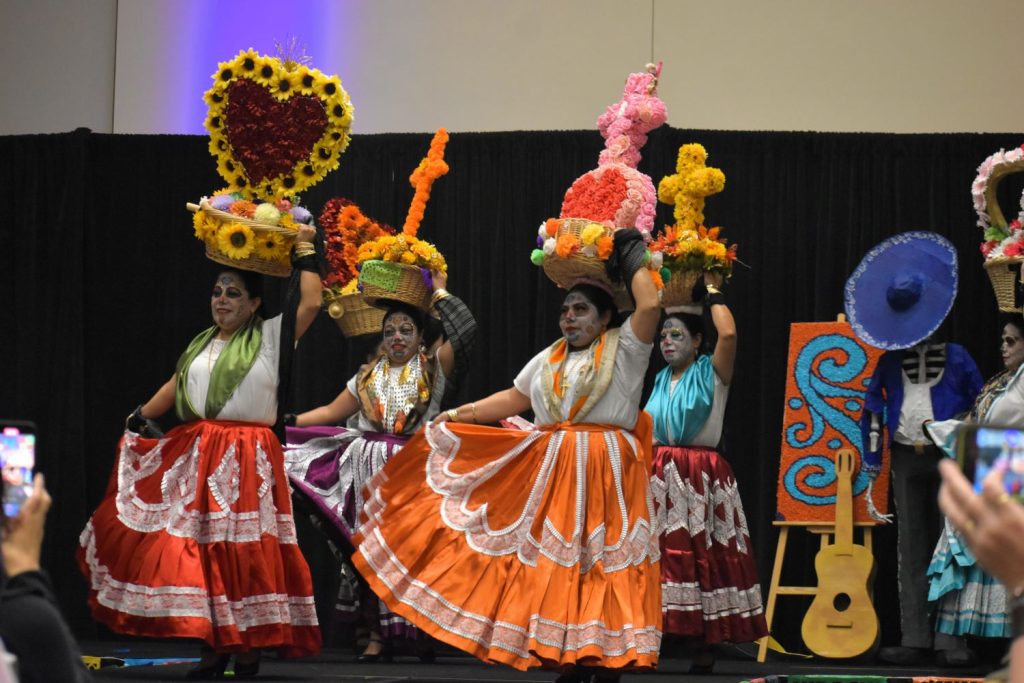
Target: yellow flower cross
687 188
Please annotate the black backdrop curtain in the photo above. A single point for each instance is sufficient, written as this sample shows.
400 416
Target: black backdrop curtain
103 283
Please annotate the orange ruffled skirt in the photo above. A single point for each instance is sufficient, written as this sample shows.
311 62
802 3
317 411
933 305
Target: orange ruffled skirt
195 538
521 548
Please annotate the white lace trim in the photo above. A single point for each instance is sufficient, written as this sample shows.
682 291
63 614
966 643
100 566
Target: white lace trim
714 604
489 633
636 544
678 505
357 464
190 601
178 491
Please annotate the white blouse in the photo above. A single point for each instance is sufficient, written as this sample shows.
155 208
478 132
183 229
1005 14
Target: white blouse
255 398
620 404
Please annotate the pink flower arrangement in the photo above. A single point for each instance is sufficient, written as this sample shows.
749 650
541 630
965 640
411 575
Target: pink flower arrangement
1001 239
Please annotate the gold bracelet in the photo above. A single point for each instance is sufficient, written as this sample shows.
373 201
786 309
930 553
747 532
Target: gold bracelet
439 293
453 414
473 406
305 245
304 253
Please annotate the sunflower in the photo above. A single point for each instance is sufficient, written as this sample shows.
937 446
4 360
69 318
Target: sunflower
304 79
282 87
204 225
270 245
236 240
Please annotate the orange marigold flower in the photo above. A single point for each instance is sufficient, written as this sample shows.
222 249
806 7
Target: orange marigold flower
243 208
604 247
656 276
566 245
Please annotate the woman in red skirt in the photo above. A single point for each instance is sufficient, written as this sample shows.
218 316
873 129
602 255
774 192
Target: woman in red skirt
195 536
709 584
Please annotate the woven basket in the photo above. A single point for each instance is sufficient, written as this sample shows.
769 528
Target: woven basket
566 272
354 316
679 289
383 281
1005 274
252 262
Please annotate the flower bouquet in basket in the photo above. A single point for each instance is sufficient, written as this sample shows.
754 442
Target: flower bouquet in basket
398 267
277 127
345 229
685 250
575 246
1003 244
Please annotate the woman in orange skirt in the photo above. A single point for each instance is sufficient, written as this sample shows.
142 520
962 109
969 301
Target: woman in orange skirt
535 548
195 536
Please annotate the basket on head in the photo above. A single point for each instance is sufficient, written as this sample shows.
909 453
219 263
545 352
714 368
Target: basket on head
578 266
1003 244
276 263
1005 275
354 316
383 281
679 288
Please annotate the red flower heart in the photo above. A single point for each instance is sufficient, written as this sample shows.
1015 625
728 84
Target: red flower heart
270 138
596 195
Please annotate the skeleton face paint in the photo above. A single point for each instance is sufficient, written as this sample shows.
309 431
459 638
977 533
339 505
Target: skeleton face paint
401 338
579 320
230 303
677 345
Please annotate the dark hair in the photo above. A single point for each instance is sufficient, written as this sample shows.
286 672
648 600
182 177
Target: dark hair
601 299
1015 319
253 281
395 307
693 323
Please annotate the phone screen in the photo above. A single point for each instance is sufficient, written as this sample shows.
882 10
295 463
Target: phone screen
17 461
983 448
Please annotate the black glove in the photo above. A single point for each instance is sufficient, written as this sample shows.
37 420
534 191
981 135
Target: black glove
289 419
628 255
143 426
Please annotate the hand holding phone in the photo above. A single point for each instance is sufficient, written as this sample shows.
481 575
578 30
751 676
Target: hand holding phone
982 449
17 463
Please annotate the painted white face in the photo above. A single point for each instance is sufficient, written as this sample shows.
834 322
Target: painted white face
579 320
401 338
1012 347
230 303
678 347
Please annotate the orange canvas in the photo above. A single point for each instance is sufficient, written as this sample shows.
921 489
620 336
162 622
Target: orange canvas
827 376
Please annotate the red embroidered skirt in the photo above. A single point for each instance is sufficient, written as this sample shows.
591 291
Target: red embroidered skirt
521 548
195 538
708 574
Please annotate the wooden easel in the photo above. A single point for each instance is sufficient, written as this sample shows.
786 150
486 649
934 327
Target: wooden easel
826 532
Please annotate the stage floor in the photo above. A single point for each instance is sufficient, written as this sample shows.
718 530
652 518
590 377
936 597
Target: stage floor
340 665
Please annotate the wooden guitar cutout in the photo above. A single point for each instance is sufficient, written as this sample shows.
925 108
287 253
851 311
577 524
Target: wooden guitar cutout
841 621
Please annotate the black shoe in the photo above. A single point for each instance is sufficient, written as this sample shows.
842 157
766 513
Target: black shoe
249 669
426 654
905 656
209 670
703 663
573 675
383 655
956 659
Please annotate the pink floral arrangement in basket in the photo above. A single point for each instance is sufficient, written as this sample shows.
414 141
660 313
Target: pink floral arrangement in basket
616 194
1001 239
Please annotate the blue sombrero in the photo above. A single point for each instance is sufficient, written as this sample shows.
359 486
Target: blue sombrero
902 290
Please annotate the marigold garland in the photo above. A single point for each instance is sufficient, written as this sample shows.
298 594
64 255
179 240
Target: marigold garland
406 247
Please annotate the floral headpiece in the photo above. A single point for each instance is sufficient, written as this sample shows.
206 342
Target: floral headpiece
1001 239
689 245
277 127
406 248
346 228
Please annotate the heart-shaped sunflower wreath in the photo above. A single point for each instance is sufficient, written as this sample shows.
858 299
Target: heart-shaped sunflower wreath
277 127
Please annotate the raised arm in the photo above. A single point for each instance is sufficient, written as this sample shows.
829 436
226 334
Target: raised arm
335 412
460 330
627 263
309 280
724 357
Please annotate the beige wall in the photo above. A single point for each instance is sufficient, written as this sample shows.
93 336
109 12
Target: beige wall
414 65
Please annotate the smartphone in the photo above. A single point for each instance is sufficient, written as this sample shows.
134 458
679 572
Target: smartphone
17 463
984 448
